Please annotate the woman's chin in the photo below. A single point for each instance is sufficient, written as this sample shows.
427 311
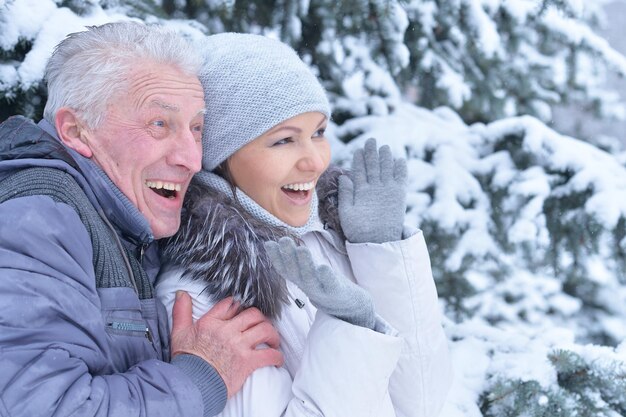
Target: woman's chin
296 219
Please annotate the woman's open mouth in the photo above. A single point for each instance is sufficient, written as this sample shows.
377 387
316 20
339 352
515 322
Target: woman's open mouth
298 191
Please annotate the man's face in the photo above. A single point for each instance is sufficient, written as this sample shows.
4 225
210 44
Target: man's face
149 142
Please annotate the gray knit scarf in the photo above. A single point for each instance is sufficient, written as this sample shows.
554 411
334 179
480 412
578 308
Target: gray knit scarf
215 181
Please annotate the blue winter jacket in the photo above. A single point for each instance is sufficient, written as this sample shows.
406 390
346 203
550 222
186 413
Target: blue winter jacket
68 347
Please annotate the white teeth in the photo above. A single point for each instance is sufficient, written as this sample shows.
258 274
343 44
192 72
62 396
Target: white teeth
300 186
166 185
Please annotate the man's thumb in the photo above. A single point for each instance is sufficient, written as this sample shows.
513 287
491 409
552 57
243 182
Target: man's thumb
181 312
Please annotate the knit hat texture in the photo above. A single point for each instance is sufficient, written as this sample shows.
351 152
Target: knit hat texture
251 84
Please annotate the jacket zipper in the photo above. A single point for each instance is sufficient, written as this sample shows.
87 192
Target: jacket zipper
131 327
142 251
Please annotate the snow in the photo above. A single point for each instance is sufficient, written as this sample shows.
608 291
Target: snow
24 23
46 28
488 38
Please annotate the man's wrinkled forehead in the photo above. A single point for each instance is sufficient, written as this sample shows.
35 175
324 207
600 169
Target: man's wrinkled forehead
171 107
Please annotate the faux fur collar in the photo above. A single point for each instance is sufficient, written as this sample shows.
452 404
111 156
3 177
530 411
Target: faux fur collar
221 244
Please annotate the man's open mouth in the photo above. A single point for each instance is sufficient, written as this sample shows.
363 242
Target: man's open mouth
164 189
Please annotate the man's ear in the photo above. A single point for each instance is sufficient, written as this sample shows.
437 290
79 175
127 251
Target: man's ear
72 132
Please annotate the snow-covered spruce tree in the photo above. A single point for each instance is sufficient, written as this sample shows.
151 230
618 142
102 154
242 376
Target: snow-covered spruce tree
486 60
29 29
583 388
490 60
557 208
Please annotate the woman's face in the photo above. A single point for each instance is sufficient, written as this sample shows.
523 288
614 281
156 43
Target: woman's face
279 169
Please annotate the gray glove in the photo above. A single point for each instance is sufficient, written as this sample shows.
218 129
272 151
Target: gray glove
372 197
336 296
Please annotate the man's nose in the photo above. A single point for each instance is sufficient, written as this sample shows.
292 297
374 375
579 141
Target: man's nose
187 151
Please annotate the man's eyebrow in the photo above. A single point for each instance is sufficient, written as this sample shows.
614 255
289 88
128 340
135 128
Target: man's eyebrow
173 107
165 106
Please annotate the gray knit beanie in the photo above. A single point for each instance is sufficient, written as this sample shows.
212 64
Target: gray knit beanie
251 84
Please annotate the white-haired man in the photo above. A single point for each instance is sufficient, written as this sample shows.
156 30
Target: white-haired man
84 196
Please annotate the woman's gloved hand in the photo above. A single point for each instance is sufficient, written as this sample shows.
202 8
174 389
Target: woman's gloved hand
335 295
372 196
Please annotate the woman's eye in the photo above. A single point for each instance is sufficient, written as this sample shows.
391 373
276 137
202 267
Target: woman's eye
282 142
158 123
320 133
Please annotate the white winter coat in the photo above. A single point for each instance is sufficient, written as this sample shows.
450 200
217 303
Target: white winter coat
333 368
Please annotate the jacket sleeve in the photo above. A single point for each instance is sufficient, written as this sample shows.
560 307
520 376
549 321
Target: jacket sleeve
399 278
54 354
344 371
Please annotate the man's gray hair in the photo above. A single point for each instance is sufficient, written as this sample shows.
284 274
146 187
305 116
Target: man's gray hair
89 69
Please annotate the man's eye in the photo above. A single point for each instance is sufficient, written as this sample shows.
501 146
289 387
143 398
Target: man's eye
196 130
157 128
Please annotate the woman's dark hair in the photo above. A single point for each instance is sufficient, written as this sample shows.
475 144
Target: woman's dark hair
223 170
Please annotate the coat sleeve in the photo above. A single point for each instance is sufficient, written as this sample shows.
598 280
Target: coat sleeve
399 278
344 371
54 355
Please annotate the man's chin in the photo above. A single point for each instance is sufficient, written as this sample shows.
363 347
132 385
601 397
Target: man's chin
163 230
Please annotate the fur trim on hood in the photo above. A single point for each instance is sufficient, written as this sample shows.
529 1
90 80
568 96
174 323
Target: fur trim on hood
231 259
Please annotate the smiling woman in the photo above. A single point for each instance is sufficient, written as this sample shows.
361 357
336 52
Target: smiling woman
266 184
280 169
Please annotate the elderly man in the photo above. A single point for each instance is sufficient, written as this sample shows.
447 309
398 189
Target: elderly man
84 194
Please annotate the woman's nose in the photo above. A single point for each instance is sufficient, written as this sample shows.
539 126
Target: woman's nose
312 159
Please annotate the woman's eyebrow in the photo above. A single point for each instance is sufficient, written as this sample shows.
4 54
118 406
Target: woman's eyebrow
279 128
293 128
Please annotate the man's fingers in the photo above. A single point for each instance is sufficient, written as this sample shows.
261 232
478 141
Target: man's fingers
225 309
263 332
248 318
181 312
267 357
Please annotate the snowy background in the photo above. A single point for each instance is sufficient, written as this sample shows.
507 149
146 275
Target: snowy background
511 116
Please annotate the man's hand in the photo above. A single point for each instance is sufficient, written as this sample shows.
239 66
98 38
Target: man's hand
225 339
